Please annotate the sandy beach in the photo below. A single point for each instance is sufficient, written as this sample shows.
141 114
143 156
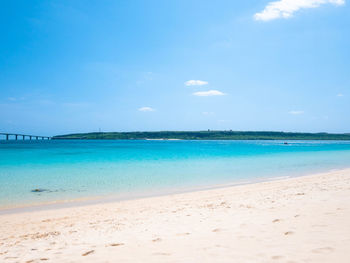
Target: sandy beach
304 219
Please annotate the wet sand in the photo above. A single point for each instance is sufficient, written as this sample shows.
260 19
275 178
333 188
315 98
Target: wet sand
304 219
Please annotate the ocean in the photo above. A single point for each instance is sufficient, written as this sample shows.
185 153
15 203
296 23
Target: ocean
74 169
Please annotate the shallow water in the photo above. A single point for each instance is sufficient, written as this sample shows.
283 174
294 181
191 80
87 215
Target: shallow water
79 169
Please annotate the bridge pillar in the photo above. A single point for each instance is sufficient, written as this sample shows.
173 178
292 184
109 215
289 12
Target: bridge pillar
17 136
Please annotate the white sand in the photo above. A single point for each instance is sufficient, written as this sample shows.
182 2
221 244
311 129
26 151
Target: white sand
305 219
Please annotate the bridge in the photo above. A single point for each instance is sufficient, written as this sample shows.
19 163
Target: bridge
24 136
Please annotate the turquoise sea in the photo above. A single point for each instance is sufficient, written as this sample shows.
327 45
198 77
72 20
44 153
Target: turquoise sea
69 170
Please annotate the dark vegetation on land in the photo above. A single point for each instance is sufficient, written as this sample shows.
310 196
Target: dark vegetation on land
205 135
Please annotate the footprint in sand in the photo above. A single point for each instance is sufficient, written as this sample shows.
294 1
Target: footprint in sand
88 253
245 206
157 240
276 220
183 234
116 244
217 230
277 257
288 233
323 250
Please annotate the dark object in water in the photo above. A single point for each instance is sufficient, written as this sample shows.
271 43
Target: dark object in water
39 190
286 143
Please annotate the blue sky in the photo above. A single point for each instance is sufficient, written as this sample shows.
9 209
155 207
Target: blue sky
77 66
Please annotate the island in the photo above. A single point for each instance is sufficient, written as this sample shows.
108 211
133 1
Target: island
203 135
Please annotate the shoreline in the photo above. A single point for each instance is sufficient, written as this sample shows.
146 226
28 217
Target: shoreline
299 219
111 198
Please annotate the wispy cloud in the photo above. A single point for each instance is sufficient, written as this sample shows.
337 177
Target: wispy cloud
296 112
286 8
208 93
196 83
146 109
15 99
340 95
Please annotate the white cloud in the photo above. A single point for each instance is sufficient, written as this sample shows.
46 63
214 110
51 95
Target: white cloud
296 112
146 109
340 95
196 83
286 8
208 93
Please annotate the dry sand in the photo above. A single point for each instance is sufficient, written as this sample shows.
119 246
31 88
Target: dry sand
304 219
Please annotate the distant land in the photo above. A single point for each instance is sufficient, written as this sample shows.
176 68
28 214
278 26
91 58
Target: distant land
204 135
